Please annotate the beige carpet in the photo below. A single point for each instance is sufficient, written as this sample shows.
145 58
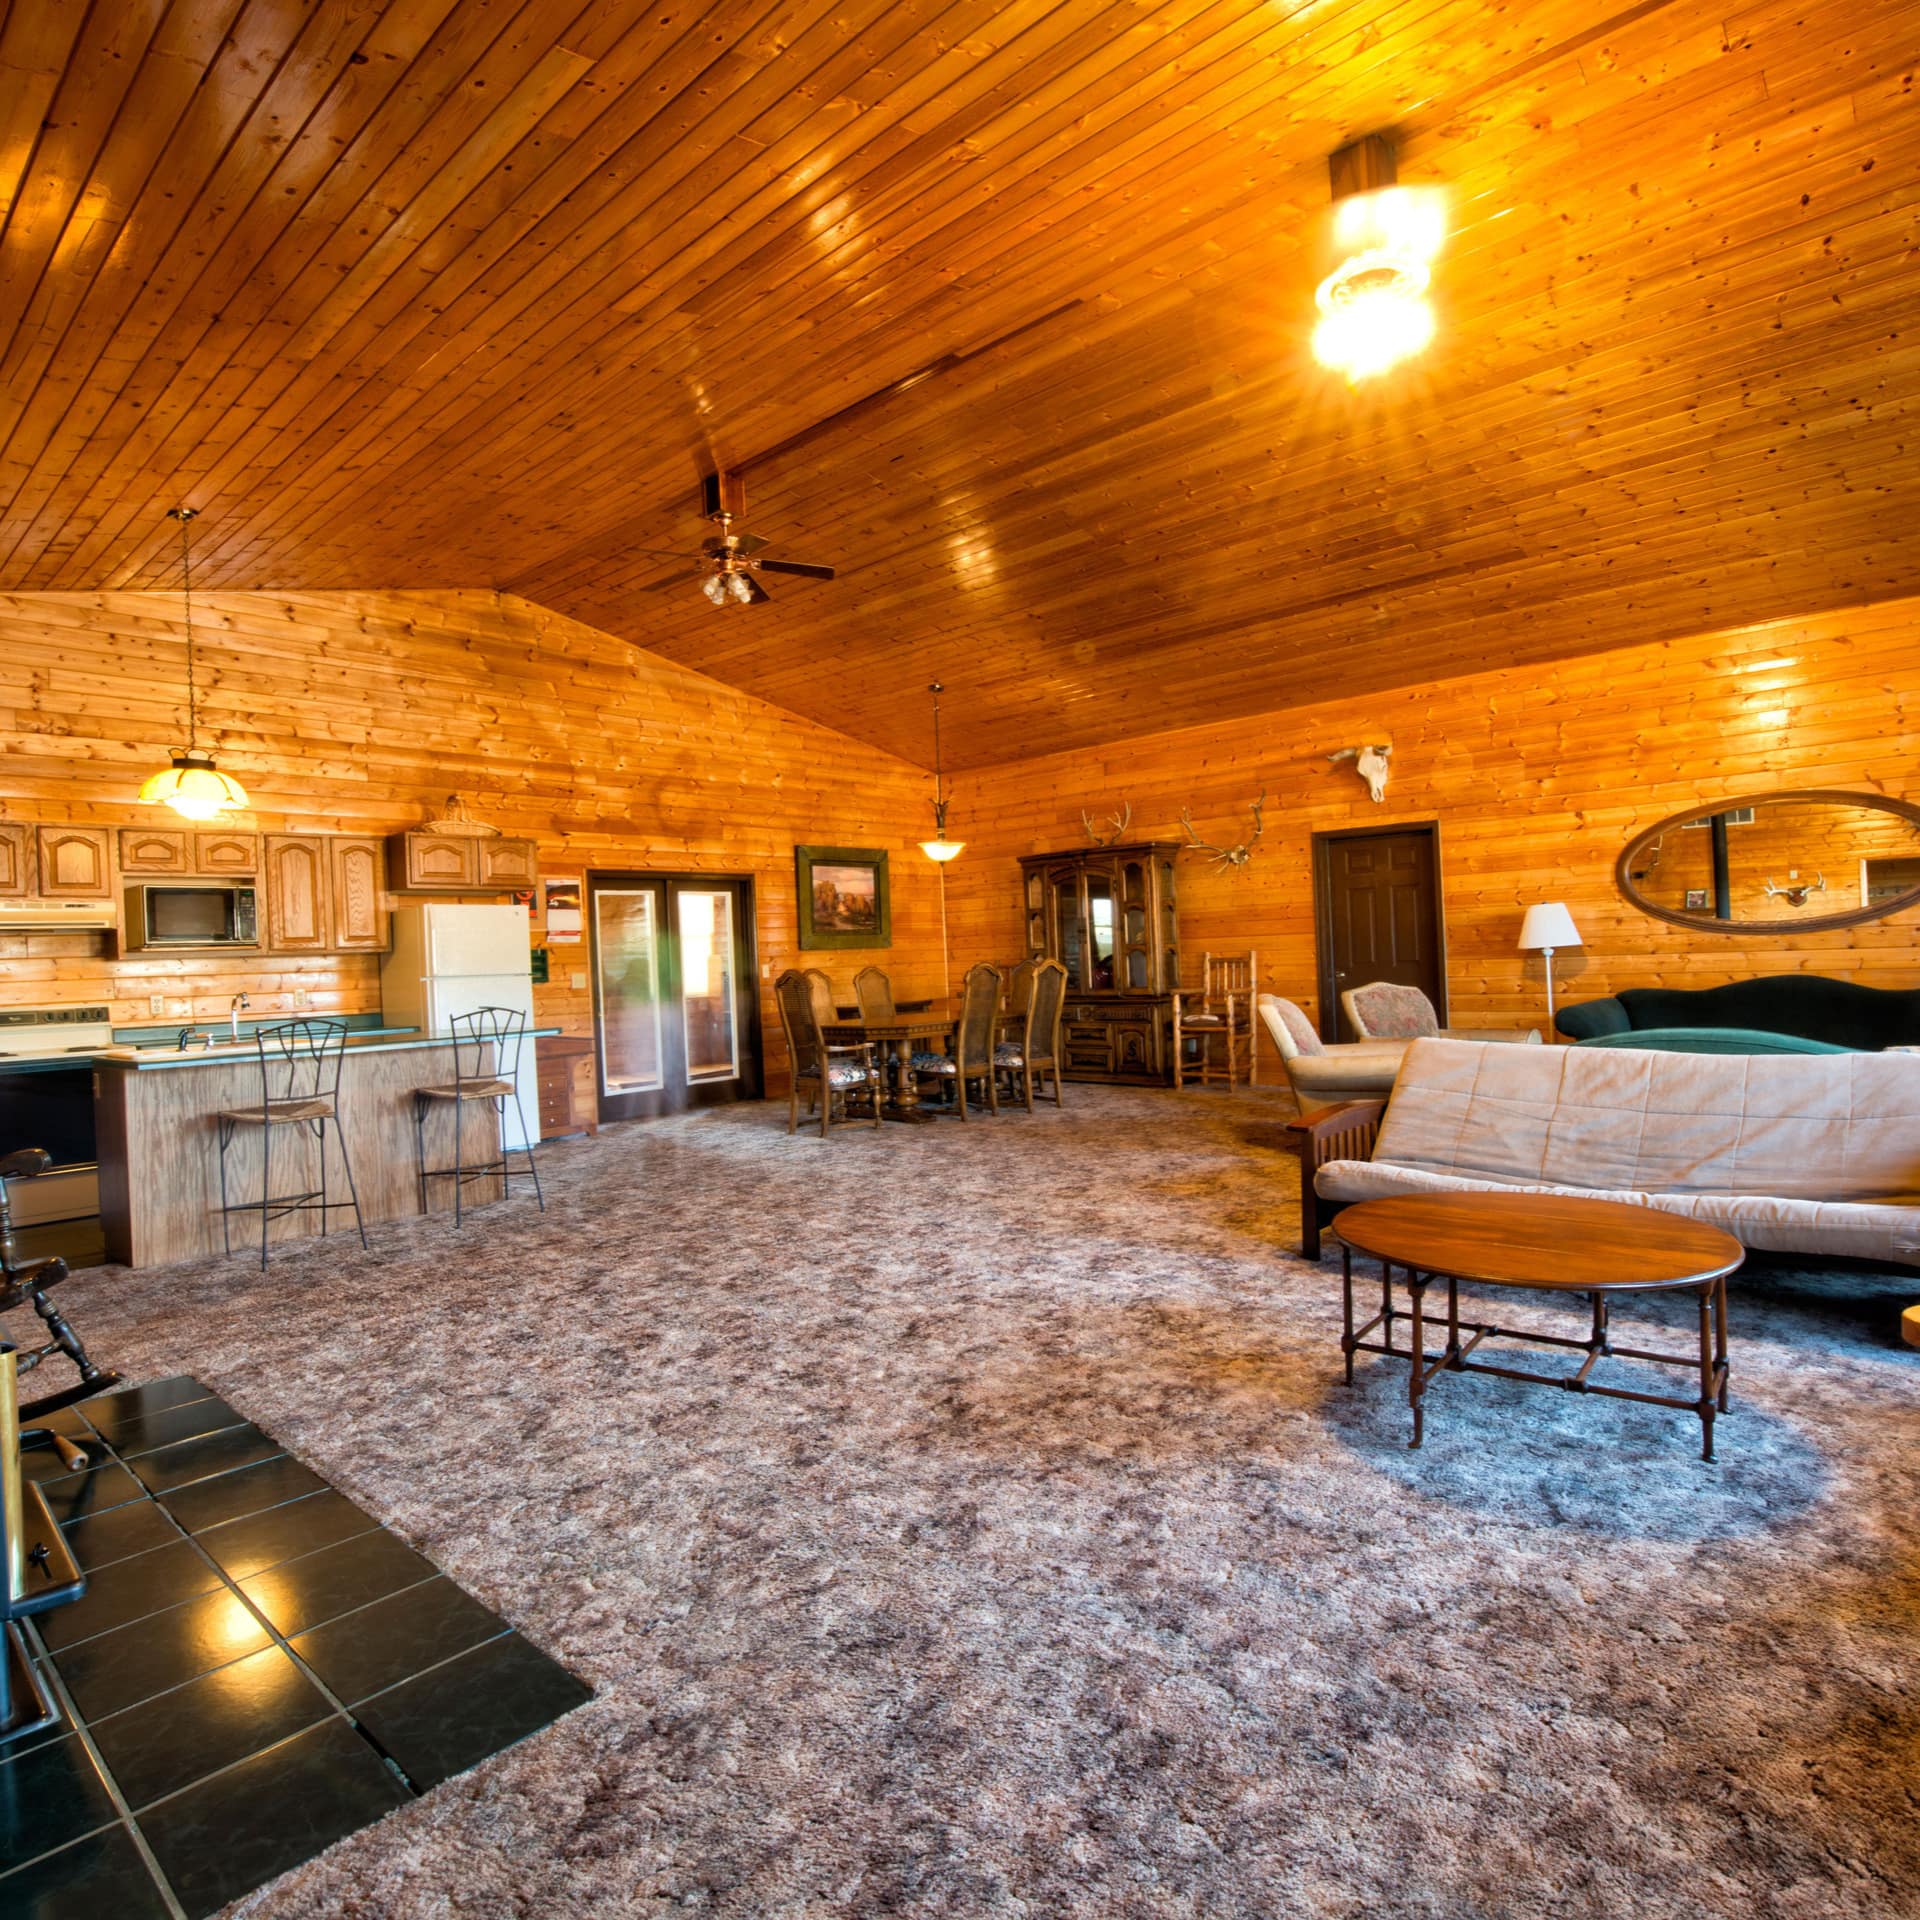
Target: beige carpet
971 1521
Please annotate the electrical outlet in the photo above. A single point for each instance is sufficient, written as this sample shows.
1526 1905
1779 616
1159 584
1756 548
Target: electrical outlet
157 1005
577 981
301 996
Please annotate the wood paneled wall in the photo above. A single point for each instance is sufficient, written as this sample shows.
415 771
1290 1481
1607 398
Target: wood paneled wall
1538 777
359 712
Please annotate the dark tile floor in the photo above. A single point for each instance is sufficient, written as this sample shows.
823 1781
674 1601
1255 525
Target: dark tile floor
257 1668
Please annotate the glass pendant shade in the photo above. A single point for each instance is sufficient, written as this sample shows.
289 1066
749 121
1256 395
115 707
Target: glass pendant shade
195 788
943 850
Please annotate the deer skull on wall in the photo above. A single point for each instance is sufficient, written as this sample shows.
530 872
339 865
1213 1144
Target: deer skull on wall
1370 763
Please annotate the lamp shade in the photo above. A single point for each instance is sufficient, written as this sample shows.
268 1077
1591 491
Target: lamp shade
194 787
1548 925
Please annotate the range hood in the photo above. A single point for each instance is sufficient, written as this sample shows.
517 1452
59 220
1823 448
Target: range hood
57 916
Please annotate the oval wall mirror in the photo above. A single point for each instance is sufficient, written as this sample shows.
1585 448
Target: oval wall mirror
1778 863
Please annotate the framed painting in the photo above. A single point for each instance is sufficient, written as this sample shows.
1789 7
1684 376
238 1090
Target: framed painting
843 897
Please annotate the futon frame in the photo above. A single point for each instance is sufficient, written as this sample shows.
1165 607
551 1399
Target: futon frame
1345 1132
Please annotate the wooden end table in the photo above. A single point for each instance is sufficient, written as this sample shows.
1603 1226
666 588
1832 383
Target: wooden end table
1535 1240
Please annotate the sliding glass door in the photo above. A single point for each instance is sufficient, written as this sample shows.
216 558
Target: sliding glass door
673 1002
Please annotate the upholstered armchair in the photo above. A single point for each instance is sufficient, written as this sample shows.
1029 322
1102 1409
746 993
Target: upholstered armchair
1383 1011
838 1075
973 1041
1322 1075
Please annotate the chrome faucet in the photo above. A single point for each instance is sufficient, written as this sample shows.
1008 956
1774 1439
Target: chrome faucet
187 1037
238 1001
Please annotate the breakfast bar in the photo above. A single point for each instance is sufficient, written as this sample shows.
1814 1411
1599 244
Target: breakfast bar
156 1114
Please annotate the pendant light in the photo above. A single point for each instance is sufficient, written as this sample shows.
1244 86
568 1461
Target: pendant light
192 786
1374 307
939 848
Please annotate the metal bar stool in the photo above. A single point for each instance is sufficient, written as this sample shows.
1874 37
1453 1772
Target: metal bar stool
299 1087
486 1066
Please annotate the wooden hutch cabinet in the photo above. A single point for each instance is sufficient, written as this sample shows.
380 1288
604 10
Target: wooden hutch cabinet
1109 916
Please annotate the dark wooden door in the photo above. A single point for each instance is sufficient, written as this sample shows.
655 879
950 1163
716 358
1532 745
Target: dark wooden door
675 1011
1378 917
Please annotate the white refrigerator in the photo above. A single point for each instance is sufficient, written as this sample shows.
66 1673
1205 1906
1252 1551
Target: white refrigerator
449 958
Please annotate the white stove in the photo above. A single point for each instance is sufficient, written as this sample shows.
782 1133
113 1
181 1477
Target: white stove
32 1033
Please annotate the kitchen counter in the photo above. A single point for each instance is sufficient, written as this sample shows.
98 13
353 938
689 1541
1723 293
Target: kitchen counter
157 1127
226 1052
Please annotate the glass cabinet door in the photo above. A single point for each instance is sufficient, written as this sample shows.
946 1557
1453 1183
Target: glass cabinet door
1069 944
1101 908
1136 970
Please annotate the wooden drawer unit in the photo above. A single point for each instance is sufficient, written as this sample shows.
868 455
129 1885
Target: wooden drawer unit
1117 1039
217 852
75 864
16 859
564 1060
156 850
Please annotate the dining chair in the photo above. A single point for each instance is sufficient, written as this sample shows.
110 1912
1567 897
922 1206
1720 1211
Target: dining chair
835 1073
1037 1051
874 992
973 1041
1218 1022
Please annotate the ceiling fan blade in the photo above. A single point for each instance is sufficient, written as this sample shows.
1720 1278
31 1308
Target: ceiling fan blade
747 543
794 566
756 593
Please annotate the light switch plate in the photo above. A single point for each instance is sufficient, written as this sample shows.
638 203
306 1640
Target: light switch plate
577 980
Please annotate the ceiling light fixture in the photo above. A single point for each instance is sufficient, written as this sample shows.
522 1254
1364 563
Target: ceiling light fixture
192 786
939 848
1374 308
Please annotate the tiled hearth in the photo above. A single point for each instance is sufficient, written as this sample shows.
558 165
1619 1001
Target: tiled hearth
256 1669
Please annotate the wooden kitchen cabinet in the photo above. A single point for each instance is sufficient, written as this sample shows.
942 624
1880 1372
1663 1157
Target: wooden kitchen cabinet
455 863
294 877
225 852
16 860
420 862
507 863
76 863
356 879
156 850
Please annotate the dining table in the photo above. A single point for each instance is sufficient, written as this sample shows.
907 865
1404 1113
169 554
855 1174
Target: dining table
904 1033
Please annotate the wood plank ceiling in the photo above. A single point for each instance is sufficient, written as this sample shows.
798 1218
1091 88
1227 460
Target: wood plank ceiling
417 293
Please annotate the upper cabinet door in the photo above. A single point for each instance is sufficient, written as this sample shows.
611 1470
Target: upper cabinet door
16 858
295 877
439 860
75 863
507 863
156 850
357 877
225 852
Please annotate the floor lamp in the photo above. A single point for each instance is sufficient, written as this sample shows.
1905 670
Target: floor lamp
1545 928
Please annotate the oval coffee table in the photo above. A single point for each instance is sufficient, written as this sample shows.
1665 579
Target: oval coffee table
1537 1240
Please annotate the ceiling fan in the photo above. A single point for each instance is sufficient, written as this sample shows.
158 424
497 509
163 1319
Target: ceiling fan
727 561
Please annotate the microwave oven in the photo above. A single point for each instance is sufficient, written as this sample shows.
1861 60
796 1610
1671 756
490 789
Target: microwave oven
191 913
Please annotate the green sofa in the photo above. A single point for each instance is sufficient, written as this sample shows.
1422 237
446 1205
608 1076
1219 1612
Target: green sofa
1805 1005
1712 1040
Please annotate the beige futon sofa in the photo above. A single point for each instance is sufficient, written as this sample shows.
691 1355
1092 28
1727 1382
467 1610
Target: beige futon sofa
1796 1153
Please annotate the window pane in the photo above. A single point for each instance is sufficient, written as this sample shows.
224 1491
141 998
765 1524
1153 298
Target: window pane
706 984
627 987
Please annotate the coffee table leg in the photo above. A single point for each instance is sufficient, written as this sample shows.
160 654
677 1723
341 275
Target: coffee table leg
1386 1305
1346 1293
1720 1338
1453 1323
1417 1384
1707 1401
